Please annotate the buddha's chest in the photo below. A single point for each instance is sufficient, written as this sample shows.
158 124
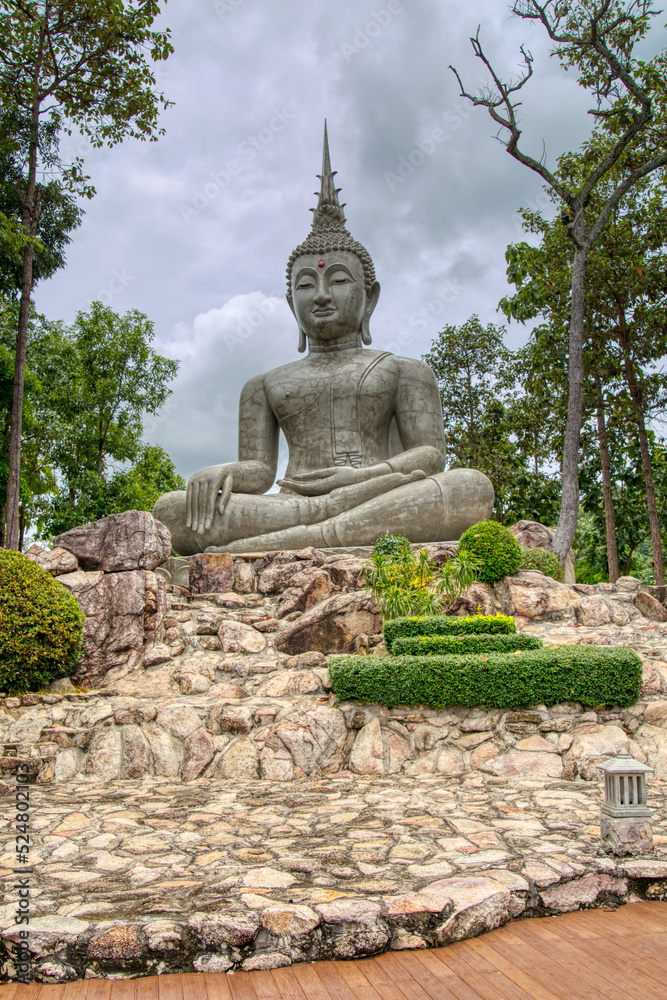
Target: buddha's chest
334 394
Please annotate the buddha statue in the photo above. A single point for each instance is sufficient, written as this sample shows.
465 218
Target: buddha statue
364 427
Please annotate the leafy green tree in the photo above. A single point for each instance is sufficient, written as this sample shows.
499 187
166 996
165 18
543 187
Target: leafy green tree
490 401
88 388
597 39
81 65
625 334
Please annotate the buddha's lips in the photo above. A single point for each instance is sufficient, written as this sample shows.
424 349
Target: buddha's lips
323 312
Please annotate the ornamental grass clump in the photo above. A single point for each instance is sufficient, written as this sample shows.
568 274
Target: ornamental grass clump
406 582
41 626
543 561
494 547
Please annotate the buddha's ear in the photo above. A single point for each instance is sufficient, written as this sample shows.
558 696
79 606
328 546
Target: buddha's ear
303 340
371 302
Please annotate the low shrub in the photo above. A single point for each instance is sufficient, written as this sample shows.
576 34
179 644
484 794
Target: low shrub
41 626
406 628
496 549
544 561
591 675
429 645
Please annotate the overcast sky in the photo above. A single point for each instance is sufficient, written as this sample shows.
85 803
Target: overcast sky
195 230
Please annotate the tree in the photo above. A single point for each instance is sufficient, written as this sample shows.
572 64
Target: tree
72 65
624 331
88 388
490 401
597 38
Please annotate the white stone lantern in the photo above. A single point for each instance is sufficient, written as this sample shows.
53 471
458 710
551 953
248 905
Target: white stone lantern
625 826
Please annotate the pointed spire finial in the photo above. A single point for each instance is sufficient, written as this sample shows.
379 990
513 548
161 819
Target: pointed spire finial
329 212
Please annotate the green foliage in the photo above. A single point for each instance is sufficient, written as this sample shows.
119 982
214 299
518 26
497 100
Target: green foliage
591 675
40 626
497 418
87 390
544 561
407 582
405 628
430 645
495 547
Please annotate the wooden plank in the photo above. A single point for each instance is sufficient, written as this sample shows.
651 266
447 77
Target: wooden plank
401 974
627 952
240 986
434 986
380 980
533 987
75 990
170 987
488 983
480 964
594 971
216 985
288 983
51 991
265 986
624 957
333 981
122 989
98 989
356 980
544 968
311 982
145 988
456 986
193 986
7 990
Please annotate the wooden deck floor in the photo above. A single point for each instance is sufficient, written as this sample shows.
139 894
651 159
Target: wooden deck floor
588 955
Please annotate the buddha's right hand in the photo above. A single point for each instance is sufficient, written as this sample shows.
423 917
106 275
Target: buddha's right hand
208 491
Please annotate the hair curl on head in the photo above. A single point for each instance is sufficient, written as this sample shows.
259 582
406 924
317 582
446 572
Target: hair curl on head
329 233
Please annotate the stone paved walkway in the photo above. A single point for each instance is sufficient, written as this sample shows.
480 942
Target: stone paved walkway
141 876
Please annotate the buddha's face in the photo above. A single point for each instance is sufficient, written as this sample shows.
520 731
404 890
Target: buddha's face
329 296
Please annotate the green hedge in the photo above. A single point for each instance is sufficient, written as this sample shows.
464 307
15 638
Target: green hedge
406 628
429 645
587 674
40 626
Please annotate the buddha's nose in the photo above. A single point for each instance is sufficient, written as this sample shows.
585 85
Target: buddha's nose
323 294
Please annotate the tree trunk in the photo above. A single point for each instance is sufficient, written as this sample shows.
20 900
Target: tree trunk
30 217
21 526
13 480
569 505
637 397
609 517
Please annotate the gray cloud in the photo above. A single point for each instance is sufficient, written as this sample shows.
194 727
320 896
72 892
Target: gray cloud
195 229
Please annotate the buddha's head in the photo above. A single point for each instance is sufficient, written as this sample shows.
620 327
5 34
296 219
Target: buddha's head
331 285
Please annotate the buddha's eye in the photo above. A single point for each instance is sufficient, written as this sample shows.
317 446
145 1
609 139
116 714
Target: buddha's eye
340 279
306 283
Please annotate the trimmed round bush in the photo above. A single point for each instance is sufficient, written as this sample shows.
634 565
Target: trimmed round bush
495 547
390 545
41 626
544 561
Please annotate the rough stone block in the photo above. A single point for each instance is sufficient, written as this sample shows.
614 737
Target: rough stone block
121 542
211 573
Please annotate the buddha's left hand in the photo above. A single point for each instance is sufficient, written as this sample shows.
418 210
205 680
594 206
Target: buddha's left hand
313 484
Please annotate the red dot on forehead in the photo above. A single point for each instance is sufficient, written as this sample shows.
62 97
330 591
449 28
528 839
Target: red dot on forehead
321 264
